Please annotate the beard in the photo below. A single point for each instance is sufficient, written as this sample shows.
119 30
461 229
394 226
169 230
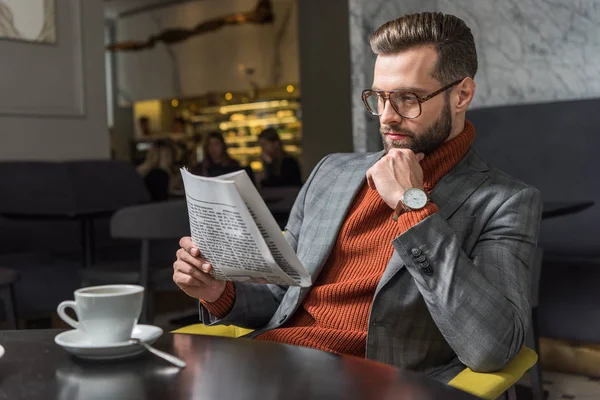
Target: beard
425 142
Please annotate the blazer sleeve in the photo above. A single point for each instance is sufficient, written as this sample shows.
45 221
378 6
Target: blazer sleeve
480 302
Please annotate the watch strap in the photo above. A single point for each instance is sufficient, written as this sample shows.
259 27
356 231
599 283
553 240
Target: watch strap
402 207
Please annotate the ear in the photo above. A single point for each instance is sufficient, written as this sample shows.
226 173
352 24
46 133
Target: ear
464 94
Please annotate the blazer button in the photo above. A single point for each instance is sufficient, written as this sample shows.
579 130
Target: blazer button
416 252
425 264
428 271
421 258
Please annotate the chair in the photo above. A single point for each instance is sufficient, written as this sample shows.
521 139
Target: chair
532 339
493 385
8 278
487 386
148 222
279 201
78 191
69 188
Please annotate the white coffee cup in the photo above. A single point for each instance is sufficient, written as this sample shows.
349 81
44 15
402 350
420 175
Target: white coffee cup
106 314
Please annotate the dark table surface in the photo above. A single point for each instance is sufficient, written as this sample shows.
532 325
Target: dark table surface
561 208
34 367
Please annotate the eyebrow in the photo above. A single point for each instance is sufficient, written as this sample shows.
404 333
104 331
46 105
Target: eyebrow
405 89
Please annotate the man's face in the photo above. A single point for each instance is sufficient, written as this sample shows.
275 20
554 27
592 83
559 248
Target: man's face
411 70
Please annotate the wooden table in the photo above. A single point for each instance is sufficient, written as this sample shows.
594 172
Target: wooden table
34 367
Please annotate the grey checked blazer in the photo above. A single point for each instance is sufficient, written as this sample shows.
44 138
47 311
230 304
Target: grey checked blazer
472 310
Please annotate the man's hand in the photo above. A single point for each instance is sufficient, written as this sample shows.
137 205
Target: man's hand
191 273
394 173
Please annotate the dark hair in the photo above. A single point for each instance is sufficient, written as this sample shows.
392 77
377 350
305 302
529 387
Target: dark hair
197 138
208 161
271 135
450 35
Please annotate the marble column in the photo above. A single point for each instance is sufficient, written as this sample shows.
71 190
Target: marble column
529 51
365 17
533 51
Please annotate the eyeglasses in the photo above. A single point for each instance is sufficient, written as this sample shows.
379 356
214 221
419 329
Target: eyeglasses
406 104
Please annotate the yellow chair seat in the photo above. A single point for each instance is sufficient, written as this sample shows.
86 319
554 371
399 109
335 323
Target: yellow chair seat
487 386
492 385
216 330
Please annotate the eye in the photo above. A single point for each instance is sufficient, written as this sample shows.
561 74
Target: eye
409 98
404 97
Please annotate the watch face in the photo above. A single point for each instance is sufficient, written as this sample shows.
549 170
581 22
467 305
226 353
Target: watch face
415 198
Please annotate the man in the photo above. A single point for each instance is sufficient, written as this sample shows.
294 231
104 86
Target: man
144 124
419 254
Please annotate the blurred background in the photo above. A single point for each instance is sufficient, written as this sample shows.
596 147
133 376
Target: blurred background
102 101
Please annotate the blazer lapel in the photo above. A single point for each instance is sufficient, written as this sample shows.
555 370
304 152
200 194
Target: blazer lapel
334 208
460 183
449 194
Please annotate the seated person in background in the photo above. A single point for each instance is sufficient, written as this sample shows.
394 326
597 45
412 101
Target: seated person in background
178 125
158 170
217 160
280 168
419 254
151 161
194 145
145 130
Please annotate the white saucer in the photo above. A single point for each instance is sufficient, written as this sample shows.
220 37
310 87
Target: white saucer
77 343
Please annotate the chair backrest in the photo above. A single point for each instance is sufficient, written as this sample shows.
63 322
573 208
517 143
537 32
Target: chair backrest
40 186
535 276
105 185
164 220
280 199
553 147
72 187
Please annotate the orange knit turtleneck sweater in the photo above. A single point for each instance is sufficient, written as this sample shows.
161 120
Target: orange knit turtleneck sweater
335 313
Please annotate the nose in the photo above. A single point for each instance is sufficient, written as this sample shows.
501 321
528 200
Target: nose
389 115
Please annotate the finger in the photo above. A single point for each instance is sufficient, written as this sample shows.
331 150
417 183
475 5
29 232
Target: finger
397 153
189 246
188 269
189 282
420 156
370 181
188 258
182 279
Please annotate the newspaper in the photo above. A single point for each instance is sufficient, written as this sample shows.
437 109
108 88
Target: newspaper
235 231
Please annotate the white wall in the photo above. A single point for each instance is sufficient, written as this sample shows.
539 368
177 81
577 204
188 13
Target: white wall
208 62
52 97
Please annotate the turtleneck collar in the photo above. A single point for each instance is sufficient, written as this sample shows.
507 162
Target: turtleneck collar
438 163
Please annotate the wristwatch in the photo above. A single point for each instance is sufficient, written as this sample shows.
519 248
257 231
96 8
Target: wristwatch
413 199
